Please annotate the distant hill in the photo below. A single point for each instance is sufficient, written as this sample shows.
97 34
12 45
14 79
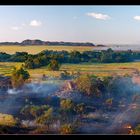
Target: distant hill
40 42
10 43
32 42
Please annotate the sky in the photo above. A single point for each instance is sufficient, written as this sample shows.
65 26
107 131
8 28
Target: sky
96 24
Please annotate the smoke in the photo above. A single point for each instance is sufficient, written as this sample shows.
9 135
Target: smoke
13 91
124 114
99 121
13 100
124 119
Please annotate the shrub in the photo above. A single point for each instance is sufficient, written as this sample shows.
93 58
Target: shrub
54 65
65 75
66 104
7 120
137 129
80 108
88 85
33 111
46 118
19 77
109 101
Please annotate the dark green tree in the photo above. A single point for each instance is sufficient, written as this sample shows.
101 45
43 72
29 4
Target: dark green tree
54 65
19 77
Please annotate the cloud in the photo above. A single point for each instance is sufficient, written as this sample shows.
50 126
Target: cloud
136 17
98 16
35 23
15 28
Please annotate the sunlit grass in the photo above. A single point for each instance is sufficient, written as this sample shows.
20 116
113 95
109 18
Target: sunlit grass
37 49
85 68
7 120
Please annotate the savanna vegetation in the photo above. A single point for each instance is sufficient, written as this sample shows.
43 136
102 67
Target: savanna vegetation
102 85
66 116
46 57
19 77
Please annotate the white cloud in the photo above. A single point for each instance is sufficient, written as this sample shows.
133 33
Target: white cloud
136 17
35 23
15 28
98 16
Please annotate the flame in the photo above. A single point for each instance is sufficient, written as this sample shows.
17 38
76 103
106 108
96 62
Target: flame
128 126
131 132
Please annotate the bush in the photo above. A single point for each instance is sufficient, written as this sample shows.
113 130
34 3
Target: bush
19 77
33 111
65 75
88 85
46 118
54 65
7 120
137 130
66 104
80 108
109 101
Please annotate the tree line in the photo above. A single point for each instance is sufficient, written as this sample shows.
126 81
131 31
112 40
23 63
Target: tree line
46 57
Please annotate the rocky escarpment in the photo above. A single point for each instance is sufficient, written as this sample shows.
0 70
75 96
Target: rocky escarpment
54 43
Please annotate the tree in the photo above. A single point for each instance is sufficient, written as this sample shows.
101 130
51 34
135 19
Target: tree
19 77
54 65
88 85
29 63
75 57
107 56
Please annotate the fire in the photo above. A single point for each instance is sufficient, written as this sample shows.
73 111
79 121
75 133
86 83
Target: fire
128 129
131 132
128 126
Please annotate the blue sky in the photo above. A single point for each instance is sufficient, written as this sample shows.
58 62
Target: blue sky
97 24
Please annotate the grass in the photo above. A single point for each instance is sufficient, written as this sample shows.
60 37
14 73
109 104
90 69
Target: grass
37 49
7 120
85 68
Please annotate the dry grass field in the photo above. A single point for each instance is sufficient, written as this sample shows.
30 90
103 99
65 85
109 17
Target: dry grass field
37 49
100 70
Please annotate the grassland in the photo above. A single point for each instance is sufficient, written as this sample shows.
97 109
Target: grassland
37 49
96 69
